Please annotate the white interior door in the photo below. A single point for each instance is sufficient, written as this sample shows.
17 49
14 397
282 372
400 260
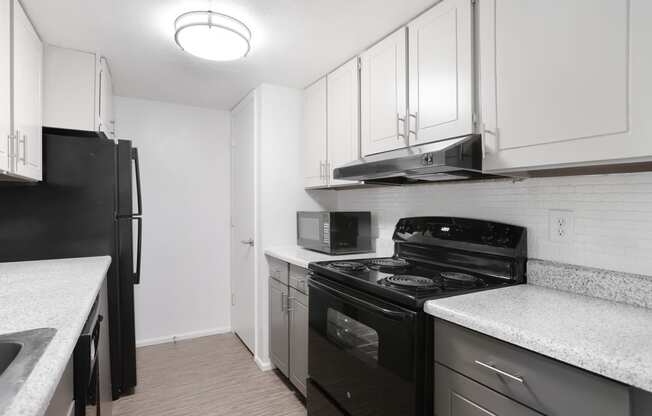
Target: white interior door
384 95
243 259
441 72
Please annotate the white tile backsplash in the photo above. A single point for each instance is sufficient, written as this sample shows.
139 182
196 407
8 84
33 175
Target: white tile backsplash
612 214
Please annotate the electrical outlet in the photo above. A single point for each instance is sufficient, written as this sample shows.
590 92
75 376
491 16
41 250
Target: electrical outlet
561 225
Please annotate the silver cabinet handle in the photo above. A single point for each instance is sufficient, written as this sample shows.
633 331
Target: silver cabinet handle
10 156
486 132
400 135
283 302
24 149
491 367
290 300
249 242
321 170
415 116
327 171
16 149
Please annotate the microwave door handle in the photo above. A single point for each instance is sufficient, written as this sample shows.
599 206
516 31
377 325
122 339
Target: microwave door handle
134 157
388 313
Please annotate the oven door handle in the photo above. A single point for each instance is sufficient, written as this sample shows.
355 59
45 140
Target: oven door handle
388 313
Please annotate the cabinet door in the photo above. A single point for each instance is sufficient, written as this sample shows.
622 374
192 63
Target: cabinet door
565 83
313 151
105 102
27 104
343 117
384 95
299 340
5 85
441 72
456 395
279 326
69 80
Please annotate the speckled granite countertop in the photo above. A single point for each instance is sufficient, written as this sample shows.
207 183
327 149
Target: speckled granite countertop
55 294
301 257
608 338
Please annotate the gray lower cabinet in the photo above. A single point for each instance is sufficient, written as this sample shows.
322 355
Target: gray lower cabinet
479 375
298 339
279 326
456 395
288 321
61 403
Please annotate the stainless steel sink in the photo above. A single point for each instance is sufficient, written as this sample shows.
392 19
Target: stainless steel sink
19 353
8 352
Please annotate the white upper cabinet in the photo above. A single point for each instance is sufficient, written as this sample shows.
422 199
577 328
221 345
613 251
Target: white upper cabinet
343 118
5 86
314 150
69 89
565 83
27 101
105 101
78 91
383 95
441 103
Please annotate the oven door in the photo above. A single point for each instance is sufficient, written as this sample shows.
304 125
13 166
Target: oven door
362 351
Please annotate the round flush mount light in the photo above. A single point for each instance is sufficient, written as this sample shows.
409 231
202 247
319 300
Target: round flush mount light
211 35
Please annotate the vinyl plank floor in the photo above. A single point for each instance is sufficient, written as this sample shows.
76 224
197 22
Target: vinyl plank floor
206 376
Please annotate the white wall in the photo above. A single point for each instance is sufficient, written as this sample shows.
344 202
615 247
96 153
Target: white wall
279 189
185 170
612 213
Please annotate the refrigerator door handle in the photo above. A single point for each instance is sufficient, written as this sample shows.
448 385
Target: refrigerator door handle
134 157
139 251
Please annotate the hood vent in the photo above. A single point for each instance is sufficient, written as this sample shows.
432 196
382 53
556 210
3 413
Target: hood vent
453 159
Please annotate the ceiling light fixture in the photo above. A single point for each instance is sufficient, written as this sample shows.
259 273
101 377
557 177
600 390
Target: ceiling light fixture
211 35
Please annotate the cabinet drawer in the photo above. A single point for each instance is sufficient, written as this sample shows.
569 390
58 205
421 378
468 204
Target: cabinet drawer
278 269
456 395
299 278
544 384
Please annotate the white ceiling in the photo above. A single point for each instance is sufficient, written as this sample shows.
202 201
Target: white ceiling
294 42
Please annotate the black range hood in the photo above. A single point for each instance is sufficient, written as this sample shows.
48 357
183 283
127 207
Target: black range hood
452 159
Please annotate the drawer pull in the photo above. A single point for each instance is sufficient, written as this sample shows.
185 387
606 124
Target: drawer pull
499 371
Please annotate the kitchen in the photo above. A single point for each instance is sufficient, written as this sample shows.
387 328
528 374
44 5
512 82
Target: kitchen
327 208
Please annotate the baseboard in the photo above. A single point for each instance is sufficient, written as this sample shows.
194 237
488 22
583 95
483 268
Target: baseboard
263 365
181 337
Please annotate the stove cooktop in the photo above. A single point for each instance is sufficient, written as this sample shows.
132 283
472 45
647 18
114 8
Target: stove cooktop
408 283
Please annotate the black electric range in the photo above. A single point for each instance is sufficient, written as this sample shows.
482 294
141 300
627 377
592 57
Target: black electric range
406 282
368 333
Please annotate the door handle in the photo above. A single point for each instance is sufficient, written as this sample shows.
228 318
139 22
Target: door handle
139 249
361 303
249 242
139 196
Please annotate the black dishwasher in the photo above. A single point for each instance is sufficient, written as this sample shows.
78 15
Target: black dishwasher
86 366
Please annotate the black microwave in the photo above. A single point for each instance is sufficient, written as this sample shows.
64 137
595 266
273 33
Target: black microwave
334 232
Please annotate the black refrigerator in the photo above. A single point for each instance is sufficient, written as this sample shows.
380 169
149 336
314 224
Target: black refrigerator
84 207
